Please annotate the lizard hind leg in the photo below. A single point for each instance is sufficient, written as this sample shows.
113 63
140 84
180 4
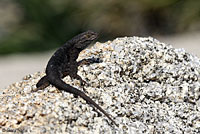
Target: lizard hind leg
42 83
80 79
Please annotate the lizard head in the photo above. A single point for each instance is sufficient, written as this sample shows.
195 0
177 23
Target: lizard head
84 39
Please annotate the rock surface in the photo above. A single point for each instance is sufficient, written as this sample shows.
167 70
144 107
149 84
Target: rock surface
147 87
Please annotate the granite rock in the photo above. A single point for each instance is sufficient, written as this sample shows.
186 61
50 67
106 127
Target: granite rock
145 85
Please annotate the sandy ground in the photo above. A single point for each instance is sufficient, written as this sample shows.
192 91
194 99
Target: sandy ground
14 67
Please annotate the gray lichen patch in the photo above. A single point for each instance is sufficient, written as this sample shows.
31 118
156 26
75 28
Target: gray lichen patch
145 85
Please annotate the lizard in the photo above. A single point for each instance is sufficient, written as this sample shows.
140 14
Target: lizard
63 63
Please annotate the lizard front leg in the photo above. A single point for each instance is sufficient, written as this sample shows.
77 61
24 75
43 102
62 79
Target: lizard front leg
85 62
89 61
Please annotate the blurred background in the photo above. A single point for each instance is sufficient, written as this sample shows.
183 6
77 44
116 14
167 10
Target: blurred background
30 30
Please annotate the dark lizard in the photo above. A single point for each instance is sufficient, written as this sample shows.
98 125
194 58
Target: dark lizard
63 63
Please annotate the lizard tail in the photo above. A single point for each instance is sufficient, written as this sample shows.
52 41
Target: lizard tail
61 85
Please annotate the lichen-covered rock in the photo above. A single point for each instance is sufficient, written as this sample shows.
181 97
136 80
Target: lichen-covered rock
147 87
